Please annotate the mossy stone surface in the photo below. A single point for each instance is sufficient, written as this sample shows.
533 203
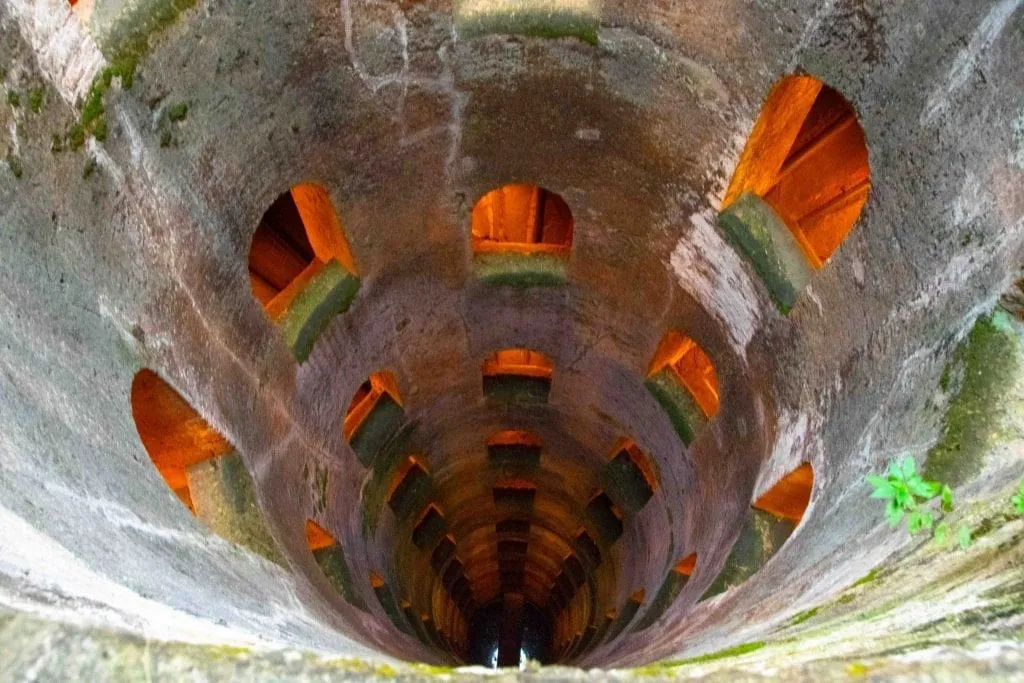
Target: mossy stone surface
520 389
329 293
683 412
380 425
333 564
521 271
768 244
625 483
983 379
225 501
761 537
536 23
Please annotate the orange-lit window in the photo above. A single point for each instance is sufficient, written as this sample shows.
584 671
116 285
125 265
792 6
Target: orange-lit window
317 538
790 496
523 218
686 565
692 366
297 236
408 476
366 397
174 434
626 450
808 159
520 362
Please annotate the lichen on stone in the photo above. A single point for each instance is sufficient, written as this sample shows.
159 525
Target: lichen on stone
982 376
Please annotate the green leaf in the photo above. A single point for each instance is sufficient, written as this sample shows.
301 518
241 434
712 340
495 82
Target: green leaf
927 519
921 488
908 467
883 489
914 522
941 533
893 513
964 538
947 498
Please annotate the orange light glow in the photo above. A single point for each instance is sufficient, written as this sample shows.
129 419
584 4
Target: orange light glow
807 157
521 218
790 496
521 362
366 397
317 537
296 237
692 366
174 435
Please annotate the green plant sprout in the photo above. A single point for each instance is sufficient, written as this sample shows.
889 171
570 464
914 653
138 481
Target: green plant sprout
1018 499
907 495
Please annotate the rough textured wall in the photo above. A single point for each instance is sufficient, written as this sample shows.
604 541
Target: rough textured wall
129 251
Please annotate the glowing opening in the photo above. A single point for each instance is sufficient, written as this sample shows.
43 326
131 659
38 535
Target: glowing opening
367 396
172 432
808 159
691 366
297 237
790 496
522 218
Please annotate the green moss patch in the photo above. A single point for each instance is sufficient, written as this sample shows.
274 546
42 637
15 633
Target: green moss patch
521 271
982 374
754 228
683 412
521 389
329 293
374 433
624 481
224 497
335 567
762 536
536 23
745 648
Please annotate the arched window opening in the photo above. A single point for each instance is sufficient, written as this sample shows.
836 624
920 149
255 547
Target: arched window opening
625 615
373 416
198 464
514 492
683 380
518 376
389 604
429 528
330 557
770 522
517 449
174 434
671 587
410 487
606 517
300 266
801 184
522 236
630 475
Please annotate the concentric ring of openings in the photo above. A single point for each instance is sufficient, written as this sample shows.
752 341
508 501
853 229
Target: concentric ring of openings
800 186
374 414
198 464
770 522
522 236
683 380
517 376
300 266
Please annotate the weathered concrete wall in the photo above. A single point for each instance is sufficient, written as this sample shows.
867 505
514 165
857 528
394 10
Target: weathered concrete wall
130 251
